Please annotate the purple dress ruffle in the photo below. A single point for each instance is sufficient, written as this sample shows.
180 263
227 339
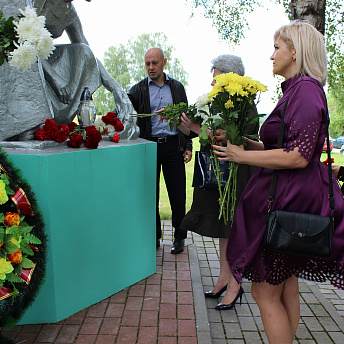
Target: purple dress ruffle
300 190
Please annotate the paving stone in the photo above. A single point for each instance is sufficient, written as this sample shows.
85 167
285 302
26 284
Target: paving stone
229 317
328 324
68 334
105 339
321 337
233 331
220 341
302 332
243 309
48 333
214 316
337 337
312 324
247 323
318 310
252 338
217 331
305 310
309 298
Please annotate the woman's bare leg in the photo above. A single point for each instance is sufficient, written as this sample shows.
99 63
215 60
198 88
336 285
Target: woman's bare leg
291 302
279 321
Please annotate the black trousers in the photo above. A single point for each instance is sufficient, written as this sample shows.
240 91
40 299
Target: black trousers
171 161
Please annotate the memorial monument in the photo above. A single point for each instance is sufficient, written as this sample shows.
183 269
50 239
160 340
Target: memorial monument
52 88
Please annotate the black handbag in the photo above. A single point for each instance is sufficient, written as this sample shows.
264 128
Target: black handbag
295 233
204 176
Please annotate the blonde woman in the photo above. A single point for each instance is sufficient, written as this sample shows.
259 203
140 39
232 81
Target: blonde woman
300 57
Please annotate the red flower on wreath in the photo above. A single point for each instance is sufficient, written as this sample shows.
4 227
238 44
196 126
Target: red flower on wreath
75 140
16 257
11 219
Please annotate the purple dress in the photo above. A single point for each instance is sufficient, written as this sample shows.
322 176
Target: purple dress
299 190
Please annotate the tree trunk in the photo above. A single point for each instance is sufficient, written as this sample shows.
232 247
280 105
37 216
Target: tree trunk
311 10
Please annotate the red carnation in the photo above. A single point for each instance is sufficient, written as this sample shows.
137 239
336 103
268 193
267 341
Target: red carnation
93 137
110 118
115 138
72 126
75 140
119 126
49 123
64 128
61 136
50 131
41 135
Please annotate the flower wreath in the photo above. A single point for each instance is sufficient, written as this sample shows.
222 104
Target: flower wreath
22 247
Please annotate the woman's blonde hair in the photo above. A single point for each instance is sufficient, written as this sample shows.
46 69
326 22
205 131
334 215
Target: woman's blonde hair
310 49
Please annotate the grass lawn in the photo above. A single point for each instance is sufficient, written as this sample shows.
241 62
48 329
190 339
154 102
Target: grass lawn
165 210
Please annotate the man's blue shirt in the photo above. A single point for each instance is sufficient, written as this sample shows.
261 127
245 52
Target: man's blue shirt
160 96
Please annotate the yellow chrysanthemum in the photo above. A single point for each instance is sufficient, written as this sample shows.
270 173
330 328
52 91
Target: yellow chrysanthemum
229 104
3 194
5 268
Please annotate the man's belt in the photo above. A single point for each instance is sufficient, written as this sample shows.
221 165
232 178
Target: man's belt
164 139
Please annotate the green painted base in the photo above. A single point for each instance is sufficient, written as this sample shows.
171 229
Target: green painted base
99 210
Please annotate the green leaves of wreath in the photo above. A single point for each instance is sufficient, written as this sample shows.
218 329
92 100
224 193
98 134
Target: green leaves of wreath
12 308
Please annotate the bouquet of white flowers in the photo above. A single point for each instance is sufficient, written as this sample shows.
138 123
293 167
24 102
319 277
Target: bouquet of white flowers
32 40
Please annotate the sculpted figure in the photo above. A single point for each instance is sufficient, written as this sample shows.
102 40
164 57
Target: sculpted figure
68 70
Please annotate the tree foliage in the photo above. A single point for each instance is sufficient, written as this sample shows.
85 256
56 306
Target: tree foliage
229 17
336 110
125 63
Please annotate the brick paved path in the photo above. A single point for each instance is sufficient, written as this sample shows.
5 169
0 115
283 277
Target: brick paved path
159 309
169 308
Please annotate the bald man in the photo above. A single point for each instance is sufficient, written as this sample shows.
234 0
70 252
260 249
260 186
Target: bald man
173 148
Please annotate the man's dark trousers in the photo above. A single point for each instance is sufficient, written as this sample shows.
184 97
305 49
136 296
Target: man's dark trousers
171 160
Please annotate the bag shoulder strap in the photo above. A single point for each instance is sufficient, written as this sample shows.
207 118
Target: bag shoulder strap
279 145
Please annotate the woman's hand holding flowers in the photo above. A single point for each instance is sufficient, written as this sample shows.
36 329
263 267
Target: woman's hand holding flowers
220 137
229 153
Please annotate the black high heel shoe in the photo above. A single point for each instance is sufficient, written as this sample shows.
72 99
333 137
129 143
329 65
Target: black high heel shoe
215 295
221 306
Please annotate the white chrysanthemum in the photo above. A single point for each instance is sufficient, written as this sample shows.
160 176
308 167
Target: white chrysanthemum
99 124
28 12
202 101
24 56
29 29
45 45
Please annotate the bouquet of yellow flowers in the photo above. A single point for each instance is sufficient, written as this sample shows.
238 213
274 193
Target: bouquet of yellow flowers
230 100
225 107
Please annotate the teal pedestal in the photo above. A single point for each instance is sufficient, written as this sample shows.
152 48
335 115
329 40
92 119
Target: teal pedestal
99 210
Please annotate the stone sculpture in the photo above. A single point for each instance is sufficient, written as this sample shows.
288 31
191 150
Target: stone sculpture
52 88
